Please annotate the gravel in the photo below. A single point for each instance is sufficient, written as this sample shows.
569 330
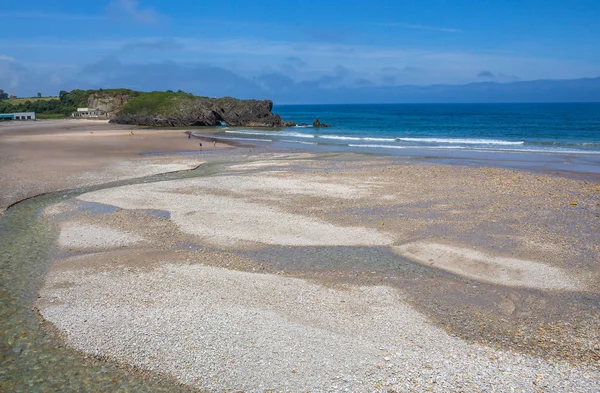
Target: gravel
83 236
221 330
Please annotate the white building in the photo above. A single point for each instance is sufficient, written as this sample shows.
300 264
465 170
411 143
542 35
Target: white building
18 116
87 112
25 116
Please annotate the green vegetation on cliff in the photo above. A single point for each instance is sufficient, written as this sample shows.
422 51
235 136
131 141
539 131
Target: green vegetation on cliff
157 108
67 102
79 98
63 105
180 109
156 103
40 106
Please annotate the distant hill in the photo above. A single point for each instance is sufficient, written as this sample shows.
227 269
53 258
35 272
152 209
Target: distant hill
112 101
569 90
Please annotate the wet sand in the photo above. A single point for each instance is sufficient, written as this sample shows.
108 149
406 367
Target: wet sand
49 155
324 272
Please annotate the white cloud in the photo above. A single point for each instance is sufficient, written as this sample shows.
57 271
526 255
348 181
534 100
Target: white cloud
55 80
10 73
50 15
134 10
420 27
324 64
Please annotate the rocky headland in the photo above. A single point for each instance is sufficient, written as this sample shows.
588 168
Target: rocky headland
170 109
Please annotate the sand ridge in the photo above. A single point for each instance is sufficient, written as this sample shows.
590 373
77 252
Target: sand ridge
484 267
276 184
228 221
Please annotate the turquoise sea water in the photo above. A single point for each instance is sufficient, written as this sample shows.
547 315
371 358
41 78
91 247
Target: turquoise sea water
557 136
520 127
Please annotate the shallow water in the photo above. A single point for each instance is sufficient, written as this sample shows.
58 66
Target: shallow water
97 208
371 259
32 357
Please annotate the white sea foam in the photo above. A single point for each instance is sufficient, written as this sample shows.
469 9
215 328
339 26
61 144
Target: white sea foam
487 149
296 135
380 146
271 133
555 151
508 150
244 139
354 138
341 138
301 142
466 144
379 139
464 141
248 132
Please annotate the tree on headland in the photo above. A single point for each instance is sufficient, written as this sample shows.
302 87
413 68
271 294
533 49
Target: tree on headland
64 106
63 95
39 95
3 95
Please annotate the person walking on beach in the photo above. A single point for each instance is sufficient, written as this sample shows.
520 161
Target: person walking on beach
190 135
214 142
200 145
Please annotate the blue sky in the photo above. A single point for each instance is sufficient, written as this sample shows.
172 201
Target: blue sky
292 50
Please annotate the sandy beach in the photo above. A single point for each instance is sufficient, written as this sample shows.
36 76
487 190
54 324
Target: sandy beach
276 270
50 155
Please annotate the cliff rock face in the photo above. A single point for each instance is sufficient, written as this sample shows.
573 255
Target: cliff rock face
181 111
244 113
110 104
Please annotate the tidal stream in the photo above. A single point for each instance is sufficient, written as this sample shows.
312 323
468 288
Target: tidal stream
33 358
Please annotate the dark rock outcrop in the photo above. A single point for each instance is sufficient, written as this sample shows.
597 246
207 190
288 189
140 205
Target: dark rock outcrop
317 124
202 111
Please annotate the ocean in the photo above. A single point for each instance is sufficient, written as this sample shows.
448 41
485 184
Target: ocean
558 136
